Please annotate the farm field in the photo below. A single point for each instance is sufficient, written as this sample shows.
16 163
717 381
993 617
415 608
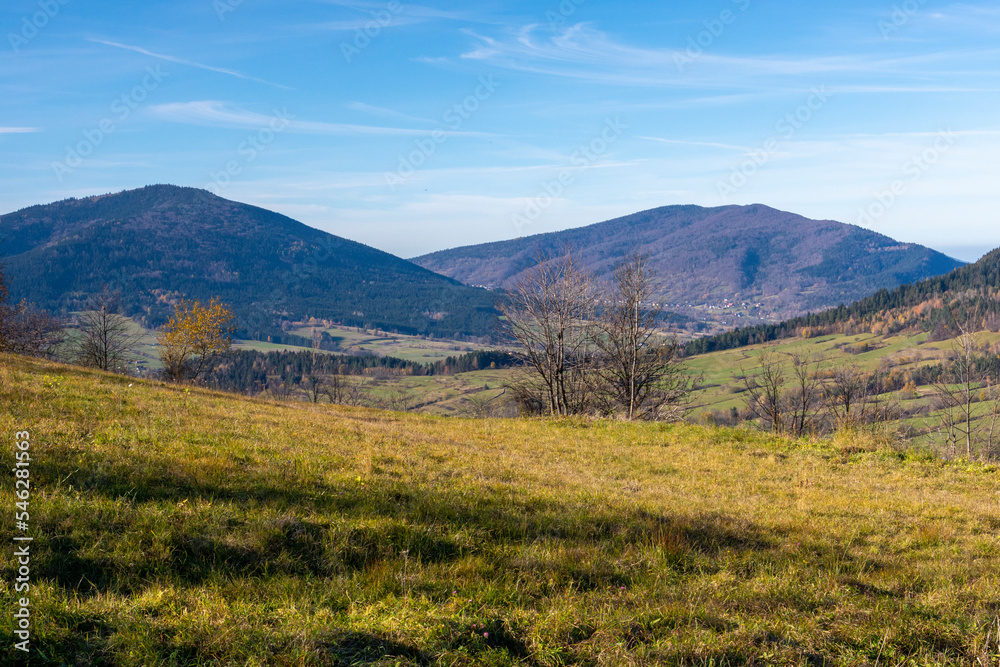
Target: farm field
447 395
722 370
721 387
352 341
410 348
481 393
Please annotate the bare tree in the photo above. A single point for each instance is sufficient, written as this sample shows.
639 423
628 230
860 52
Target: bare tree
393 399
548 316
993 395
883 405
639 369
26 330
31 332
530 400
957 394
108 339
804 402
337 389
765 391
856 399
480 406
276 388
314 386
846 396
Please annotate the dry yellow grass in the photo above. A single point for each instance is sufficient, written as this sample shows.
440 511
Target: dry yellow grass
179 527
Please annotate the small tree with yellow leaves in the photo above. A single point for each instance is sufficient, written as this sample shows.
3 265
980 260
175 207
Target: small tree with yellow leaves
193 337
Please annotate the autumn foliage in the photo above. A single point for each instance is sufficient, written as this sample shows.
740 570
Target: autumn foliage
194 336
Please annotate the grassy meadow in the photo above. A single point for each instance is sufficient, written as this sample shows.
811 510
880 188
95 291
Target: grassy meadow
178 526
418 349
721 370
352 340
721 387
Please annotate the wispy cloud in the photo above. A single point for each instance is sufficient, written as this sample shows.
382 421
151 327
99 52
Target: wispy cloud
403 14
408 10
351 25
189 63
966 17
386 113
19 130
584 53
708 144
217 113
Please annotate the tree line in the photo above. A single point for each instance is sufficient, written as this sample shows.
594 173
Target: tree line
253 371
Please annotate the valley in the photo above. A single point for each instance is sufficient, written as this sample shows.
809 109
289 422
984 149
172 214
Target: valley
353 333
402 481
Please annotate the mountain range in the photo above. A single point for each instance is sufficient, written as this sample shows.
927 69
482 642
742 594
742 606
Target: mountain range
789 263
163 242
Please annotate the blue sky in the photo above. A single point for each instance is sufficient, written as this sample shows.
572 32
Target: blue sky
417 127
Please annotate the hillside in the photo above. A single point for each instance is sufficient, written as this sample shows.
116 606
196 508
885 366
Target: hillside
177 526
711 255
968 297
162 242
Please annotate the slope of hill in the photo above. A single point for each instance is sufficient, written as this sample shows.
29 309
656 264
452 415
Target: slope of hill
968 297
709 255
162 242
177 526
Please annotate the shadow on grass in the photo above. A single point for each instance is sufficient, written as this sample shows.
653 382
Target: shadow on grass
80 640
709 534
345 648
322 529
739 658
649 629
359 648
285 545
867 590
146 479
489 636
758 650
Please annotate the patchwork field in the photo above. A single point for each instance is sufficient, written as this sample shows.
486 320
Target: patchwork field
722 387
481 393
411 348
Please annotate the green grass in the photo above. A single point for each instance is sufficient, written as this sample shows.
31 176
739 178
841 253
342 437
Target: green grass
352 341
410 348
721 388
146 349
440 395
265 347
721 370
179 526
449 395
